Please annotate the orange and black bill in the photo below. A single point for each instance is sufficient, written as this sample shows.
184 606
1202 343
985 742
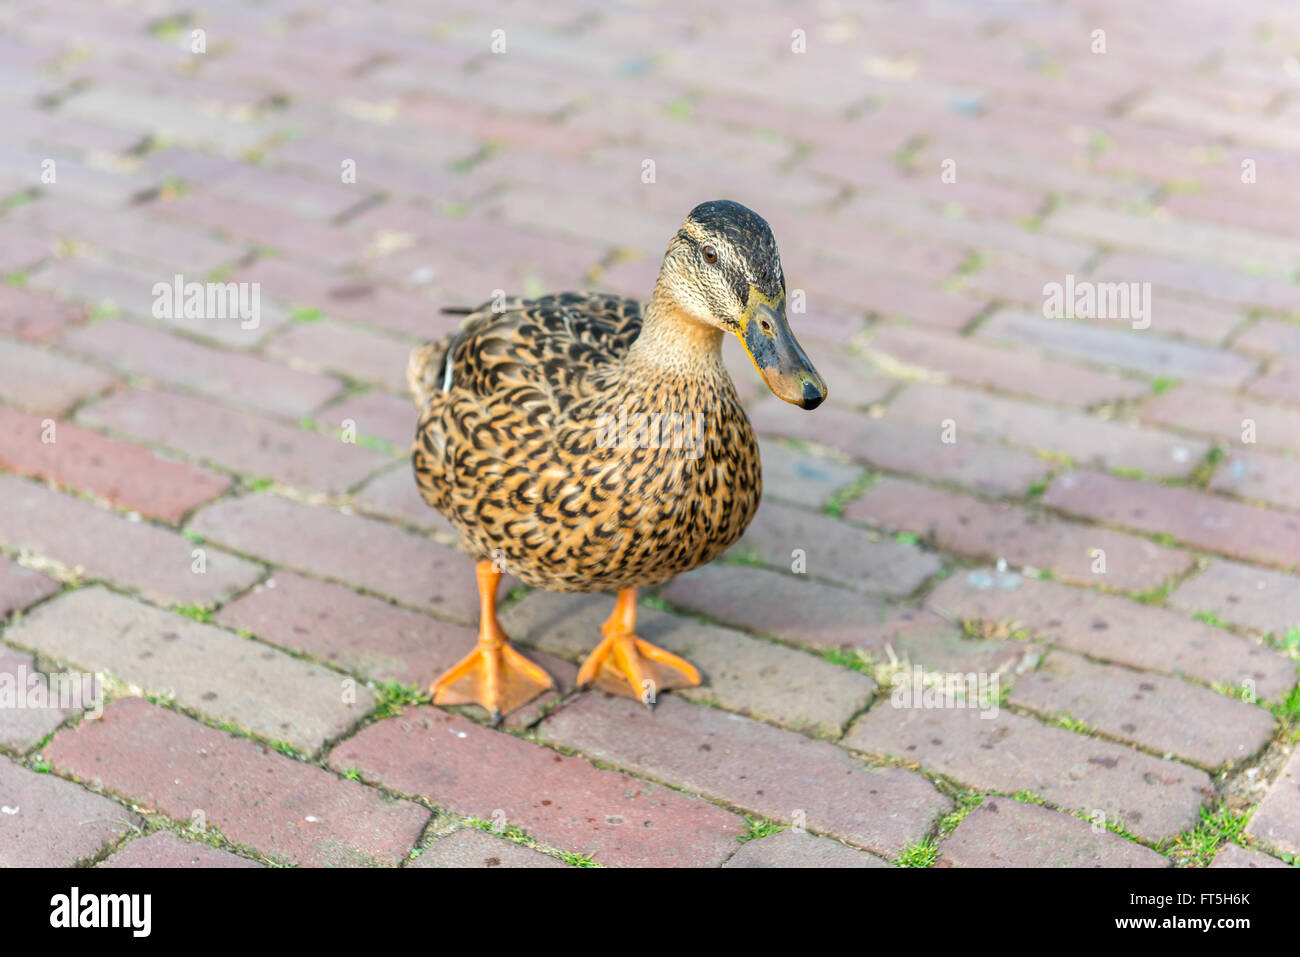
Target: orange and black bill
776 354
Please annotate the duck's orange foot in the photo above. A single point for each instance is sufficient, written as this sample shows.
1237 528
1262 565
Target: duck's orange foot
493 676
625 664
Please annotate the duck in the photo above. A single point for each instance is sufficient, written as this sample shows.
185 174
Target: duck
584 442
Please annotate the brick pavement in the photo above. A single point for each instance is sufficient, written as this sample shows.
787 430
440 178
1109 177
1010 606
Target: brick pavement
1097 512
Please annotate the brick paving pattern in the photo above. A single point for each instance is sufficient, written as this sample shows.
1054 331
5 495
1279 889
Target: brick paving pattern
1096 515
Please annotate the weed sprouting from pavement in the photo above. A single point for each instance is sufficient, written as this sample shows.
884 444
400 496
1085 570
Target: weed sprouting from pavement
1196 847
921 854
394 698
759 828
199 613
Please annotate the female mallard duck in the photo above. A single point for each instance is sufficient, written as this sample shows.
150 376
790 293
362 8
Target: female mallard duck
584 444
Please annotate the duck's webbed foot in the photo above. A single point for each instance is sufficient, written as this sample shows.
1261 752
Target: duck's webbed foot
631 666
493 675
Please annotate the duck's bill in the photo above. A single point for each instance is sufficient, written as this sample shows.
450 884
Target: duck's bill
776 354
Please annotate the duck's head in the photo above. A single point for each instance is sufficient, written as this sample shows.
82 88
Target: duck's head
722 269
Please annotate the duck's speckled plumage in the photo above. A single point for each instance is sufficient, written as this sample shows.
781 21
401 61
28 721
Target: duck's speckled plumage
515 451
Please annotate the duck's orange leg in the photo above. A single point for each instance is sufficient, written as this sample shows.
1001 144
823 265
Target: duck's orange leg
631 666
493 675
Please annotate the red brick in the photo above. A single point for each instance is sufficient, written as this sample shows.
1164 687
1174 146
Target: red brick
126 475
768 771
100 186
1006 833
1198 280
896 213
1005 279
800 849
1180 238
1207 322
51 130
281 808
127 292
1087 439
893 298
1162 714
346 349
445 114
1206 521
1165 109
103 545
1221 415
263 223
129 235
1281 382
1276 822
470 847
756 678
1261 477
347 298
1023 537
793 608
992 367
486 241
920 637
46 382
218 373
20 252
1115 344
377 415
562 801
1237 211
801 478
902 257
980 152
617 223
394 495
207 670
835 551
359 634
57 824
1009 753
293 195
25 314
23 727
1114 629
20 587
903 446
1258 598
240 441
1270 337
1234 855
428 270
378 169
360 551
165 849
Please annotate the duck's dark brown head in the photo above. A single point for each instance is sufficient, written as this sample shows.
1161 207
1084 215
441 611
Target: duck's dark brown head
723 269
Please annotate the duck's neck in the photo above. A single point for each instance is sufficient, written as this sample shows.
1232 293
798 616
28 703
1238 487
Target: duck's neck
673 344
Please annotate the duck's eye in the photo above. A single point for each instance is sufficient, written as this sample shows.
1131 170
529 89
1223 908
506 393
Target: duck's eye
710 254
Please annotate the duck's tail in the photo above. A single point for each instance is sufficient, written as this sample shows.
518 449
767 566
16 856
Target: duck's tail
426 371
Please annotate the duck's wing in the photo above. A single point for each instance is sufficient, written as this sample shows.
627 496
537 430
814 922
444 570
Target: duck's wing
547 346
502 382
